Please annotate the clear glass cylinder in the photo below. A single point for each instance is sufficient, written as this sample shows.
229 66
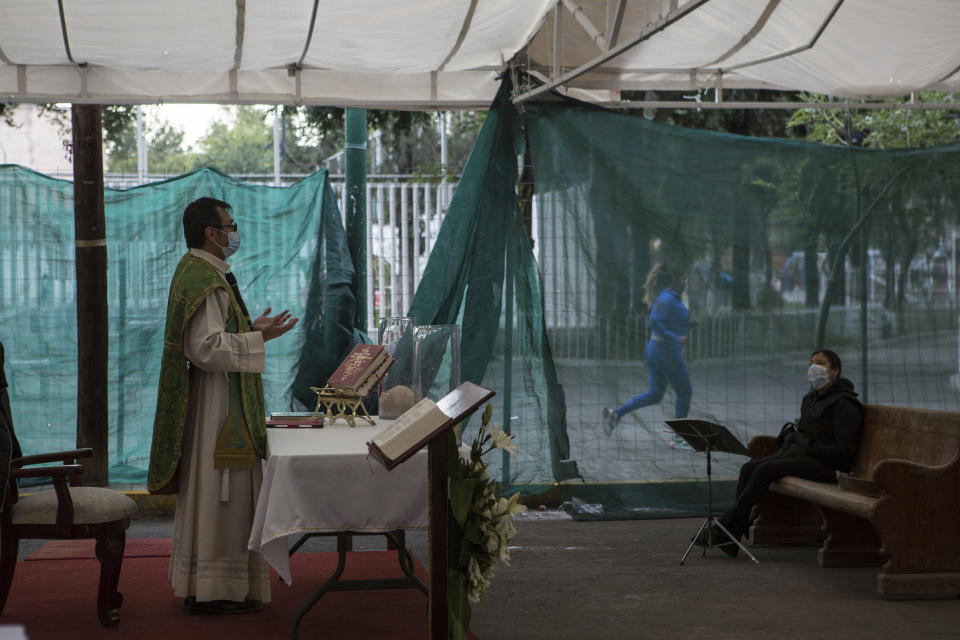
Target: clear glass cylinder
398 388
436 354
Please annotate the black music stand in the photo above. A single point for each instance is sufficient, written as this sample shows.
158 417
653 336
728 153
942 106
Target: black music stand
708 437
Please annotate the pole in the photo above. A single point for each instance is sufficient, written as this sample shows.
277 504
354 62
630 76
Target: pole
276 146
91 266
141 149
864 338
356 199
507 362
444 149
438 541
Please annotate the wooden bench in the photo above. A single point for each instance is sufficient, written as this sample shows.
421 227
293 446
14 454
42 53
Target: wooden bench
899 506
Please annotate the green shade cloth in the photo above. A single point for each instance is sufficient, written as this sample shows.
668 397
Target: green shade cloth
281 228
549 298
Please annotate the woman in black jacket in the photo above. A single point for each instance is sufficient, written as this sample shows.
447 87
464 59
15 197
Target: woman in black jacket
822 442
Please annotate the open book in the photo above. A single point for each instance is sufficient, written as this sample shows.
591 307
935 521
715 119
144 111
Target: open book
362 369
424 421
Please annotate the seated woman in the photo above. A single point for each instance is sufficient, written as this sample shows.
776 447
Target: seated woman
822 442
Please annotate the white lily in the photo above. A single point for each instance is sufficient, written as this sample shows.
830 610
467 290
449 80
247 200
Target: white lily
502 440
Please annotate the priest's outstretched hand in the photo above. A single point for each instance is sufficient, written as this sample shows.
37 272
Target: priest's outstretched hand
275 326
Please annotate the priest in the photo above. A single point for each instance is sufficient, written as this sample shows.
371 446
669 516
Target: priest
209 432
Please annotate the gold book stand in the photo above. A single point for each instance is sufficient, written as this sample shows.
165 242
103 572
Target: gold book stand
337 403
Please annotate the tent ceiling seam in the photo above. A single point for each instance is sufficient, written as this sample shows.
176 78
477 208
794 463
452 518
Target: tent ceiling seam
4 58
946 77
63 32
240 26
671 18
708 69
306 45
533 34
464 28
556 68
751 34
796 50
238 46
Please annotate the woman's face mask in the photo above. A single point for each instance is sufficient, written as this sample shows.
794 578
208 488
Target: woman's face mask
818 376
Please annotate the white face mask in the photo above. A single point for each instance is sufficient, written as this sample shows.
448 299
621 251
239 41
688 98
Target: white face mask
233 243
817 375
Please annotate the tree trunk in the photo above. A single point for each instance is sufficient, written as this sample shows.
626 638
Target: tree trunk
902 278
811 275
91 264
741 270
839 288
890 274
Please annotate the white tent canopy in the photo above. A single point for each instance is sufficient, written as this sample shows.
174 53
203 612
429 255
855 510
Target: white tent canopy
449 53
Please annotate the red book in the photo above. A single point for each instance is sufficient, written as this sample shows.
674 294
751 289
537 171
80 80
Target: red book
294 419
364 388
357 368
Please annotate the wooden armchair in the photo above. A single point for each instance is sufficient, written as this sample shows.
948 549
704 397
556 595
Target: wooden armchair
68 511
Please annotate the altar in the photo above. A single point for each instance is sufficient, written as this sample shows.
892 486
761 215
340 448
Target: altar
321 480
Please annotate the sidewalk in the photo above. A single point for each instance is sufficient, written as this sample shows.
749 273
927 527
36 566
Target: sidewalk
622 579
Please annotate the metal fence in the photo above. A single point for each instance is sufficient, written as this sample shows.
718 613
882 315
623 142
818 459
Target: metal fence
404 214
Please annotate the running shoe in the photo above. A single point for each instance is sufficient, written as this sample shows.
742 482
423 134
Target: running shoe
610 420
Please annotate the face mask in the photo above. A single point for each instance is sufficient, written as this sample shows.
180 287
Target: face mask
817 375
233 243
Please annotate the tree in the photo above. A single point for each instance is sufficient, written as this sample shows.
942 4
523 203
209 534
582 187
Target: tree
410 138
913 215
770 123
167 154
878 128
756 190
165 151
401 131
244 146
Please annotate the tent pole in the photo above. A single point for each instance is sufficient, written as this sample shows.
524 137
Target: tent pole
91 273
355 155
507 360
277 114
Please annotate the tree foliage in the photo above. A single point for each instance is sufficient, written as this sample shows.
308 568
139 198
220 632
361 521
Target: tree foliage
166 153
243 146
878 128
242 143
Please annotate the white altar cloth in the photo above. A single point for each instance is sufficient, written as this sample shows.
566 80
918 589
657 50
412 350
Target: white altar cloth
322 480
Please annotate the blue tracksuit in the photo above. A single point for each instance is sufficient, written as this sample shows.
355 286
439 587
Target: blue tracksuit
669 321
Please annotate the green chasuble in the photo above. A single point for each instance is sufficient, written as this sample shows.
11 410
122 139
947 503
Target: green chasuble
243 436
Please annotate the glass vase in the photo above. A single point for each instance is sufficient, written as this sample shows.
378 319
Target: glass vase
436 354
397 389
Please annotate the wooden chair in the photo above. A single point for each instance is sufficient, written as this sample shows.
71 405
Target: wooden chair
69 511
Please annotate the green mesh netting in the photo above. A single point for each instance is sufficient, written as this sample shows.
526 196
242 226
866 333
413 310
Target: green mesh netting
548 293
755 224
281 229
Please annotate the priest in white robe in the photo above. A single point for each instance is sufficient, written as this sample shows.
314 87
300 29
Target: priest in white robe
209 431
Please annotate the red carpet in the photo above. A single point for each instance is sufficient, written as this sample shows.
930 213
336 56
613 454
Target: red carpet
84 549
56 598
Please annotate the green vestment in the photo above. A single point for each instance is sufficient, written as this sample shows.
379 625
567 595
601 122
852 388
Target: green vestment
243 435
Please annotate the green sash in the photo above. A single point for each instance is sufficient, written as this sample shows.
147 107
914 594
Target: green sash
243 436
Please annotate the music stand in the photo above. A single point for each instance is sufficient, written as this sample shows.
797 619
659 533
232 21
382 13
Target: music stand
709 437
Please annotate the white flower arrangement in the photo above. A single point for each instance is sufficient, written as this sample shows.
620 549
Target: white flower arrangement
481 523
